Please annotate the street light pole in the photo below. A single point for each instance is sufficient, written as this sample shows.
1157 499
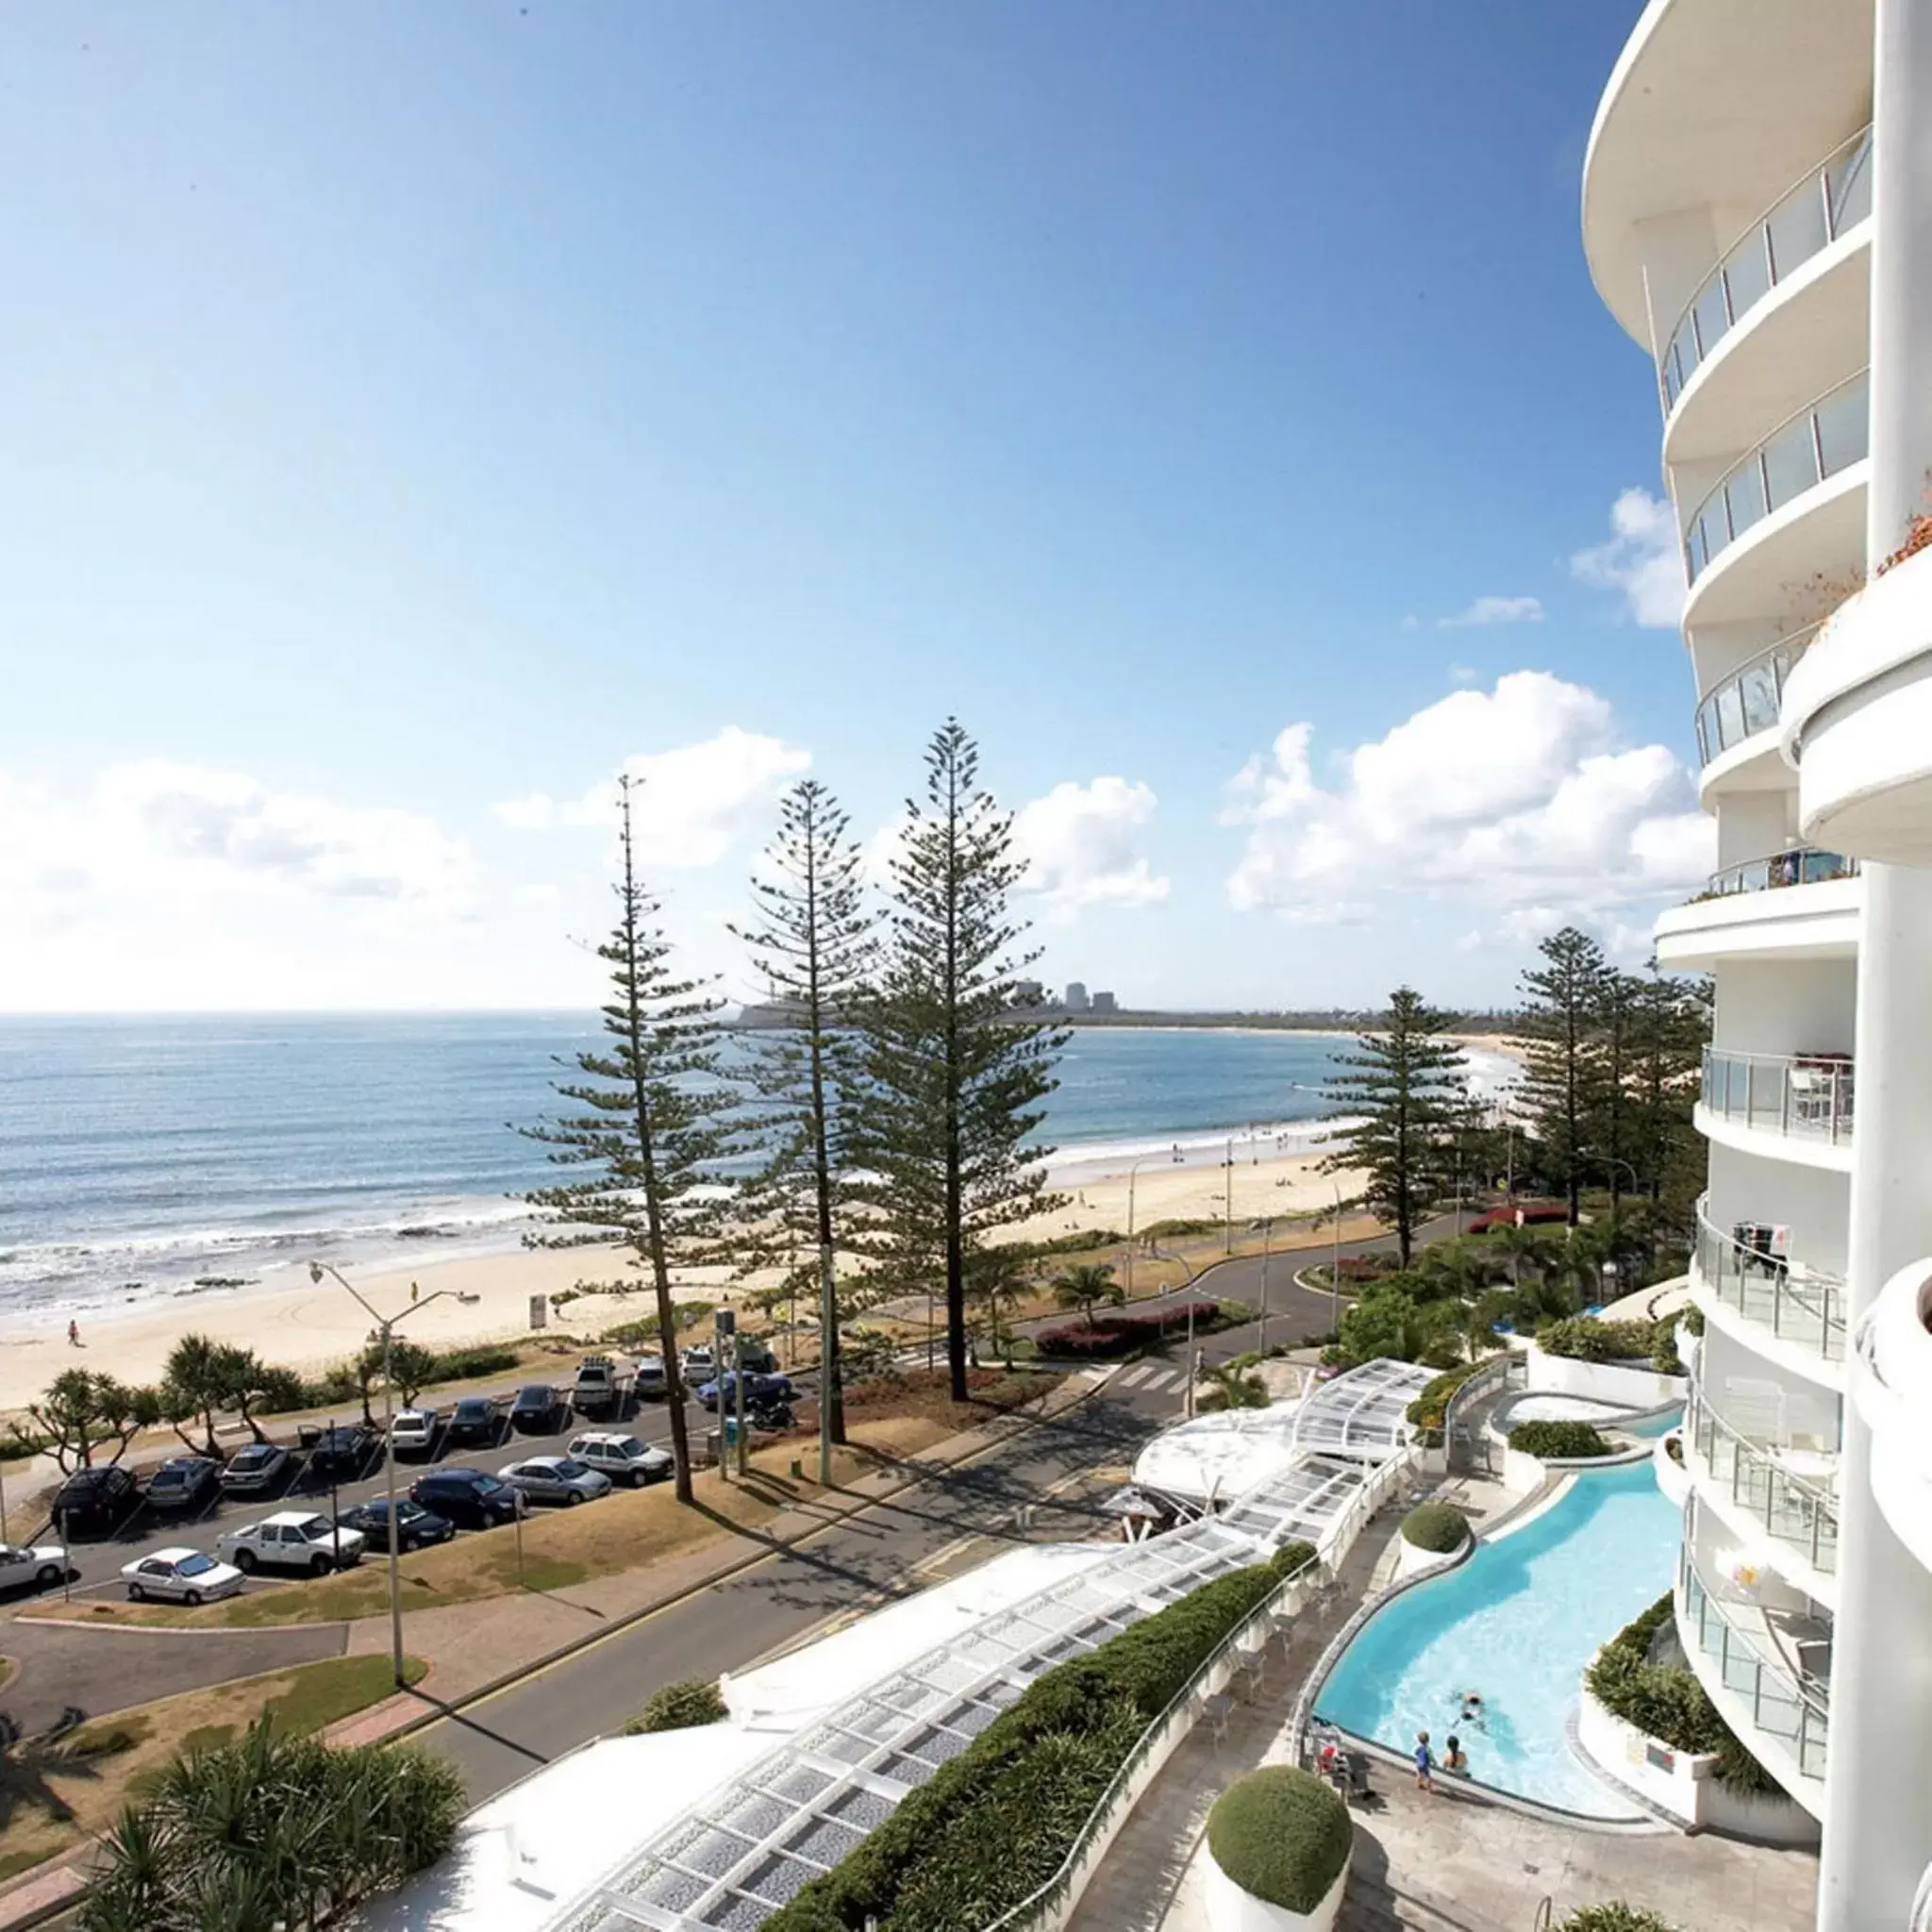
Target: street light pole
1266 1253
386 1326
1334 1265
1132 1169
1228 1199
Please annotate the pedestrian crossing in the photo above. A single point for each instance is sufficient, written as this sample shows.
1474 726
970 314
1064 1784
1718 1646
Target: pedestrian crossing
1153 1376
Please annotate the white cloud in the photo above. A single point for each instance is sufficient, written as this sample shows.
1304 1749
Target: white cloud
1518 800
694 803
1643 559
1078 842
1495 610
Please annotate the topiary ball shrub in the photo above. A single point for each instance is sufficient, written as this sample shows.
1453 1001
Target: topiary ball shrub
1614 1917
679 1707
1560 1441
1282 1834
1437 1527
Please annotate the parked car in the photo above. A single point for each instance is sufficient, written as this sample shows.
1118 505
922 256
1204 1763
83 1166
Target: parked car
179 1576
760 1391
94 1499
622 1459
255 1469
416 1527
470 1498
602 1388
39 1564
700 1364
412 1431
557 1479
757 1355
648 1377
536 1409
183 1483
343 1451
475 1419
292 1540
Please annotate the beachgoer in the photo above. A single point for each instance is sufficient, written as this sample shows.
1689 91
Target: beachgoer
1425 1763
1454 1758
73 1335
1472 1707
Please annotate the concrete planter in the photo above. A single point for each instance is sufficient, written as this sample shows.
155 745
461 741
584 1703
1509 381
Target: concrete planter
1411 1559
1630 1384
1232 1909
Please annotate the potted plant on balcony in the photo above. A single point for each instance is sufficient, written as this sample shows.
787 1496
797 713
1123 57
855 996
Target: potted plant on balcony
1280 1842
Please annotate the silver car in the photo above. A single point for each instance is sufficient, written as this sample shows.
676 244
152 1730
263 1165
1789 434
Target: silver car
556 1479
622 1459
179 1576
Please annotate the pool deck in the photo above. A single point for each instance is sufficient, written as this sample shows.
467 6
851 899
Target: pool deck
1422 1864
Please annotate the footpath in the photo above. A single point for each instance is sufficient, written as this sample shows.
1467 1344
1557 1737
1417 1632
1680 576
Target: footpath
474 1649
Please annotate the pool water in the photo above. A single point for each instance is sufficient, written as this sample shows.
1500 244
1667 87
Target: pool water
1516 1623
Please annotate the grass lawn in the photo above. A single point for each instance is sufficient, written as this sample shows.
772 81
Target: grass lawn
61 1797
889 1419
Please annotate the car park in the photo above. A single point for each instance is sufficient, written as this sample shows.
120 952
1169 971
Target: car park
416 1527
292 1540
759 1390
470 1498
179 1576
343 1451
182 1484
536 1409
648 1377
36 1564
557 1479
622 1459
255 1469
412 1431
474 1419
95 1499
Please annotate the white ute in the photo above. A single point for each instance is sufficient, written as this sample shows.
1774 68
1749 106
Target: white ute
292 1540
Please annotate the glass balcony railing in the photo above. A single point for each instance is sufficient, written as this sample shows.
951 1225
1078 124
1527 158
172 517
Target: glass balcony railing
1806 1095
1746 702
1743 1268
1821 440
1796 865
1795 1509
1814 214
1780 1699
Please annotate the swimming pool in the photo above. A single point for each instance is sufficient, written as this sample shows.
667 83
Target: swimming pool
1516 1623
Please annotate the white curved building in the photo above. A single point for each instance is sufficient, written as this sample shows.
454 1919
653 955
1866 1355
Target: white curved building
1758 214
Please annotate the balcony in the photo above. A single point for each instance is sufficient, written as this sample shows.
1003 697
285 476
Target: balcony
1806 1097
1747 701
1796 865
1768 1673
1741 1269
1781 1488
1812 446
1830 199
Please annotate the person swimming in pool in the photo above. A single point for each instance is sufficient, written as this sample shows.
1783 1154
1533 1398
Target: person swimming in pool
1473 1709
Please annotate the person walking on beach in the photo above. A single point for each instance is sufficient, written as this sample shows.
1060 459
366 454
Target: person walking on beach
1425 1763
73 1335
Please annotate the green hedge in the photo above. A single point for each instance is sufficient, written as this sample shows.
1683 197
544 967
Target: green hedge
679 1706
1666 1702
1587 1339
1565 1442
1693 1318
994 1824
1429 1411
1436 1527
1282 1834
1615 1917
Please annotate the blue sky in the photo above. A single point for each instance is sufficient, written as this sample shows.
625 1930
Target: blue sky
418 412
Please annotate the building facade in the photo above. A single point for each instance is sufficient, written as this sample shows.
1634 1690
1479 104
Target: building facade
1757 215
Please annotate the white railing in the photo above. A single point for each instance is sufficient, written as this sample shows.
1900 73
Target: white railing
1795 865
1798 1305
1806 1095
1829 200
1793 1510
1745 703
1808 447
1456 1435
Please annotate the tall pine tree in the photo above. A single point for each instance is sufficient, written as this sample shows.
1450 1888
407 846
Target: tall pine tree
955 1073
1405 1087
1562 1087
1670 1030
656 1124
812 944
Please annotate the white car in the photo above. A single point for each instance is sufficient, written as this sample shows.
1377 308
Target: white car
700 1364
413 1431
649 1379
292 1540
39 1564
622 1459
556 1479
179 1576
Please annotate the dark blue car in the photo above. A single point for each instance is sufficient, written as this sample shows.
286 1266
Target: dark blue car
758 1389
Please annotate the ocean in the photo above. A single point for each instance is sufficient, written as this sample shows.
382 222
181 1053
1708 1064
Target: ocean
138 1155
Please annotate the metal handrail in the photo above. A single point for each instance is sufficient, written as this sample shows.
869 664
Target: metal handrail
1753 489
1760 1484
1759 676
1742 1279
1673 367
1806 1096
1791 865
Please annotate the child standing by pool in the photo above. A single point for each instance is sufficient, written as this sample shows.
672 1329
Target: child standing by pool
1425 1763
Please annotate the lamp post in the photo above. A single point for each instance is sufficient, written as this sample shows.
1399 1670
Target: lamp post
1228 1199
1334 1265
1267 1254
1132 1169
1188 1268
385 1326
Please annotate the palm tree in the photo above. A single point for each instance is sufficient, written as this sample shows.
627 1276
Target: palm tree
1231 1386
1480 1316
27 1763
996 1278
1085 1285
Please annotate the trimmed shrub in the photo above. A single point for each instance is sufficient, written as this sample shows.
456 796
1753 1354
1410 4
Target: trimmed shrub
1535 1215
1693 1318
994 1824
1282 1834
1428 1414
1563 1442
680 1706
1291 1558
1614 1917
1664 1358
1113 1335
1438 1527
1666 1702
1586 1338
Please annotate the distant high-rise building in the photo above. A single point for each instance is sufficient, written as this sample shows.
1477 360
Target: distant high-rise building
1106 1003
1028 992
1076 1000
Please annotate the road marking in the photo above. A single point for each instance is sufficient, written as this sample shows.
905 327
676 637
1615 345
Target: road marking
1134 1377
